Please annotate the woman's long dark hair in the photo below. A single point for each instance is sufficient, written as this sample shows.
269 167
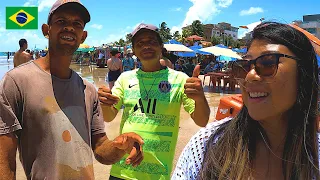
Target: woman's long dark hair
232 156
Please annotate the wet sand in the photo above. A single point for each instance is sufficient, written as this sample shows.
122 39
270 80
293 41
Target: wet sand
187 127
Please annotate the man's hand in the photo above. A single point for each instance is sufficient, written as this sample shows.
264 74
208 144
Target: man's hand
131 143
106 97
193 87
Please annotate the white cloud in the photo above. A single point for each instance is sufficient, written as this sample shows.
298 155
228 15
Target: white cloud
203 10
112 37
42 4
97 26
2 29
176 9
224 3
30 3
251 11
10 40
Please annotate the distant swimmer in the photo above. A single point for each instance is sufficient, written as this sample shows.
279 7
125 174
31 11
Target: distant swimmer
21 56
8 56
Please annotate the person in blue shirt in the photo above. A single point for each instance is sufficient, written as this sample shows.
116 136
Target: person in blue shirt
275 134
210 67
128 61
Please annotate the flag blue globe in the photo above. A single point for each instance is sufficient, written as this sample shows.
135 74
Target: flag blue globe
21 18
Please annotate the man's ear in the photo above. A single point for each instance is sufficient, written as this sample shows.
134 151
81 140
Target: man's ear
84 36
45 30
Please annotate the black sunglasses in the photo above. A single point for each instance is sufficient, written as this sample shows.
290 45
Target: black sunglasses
265 65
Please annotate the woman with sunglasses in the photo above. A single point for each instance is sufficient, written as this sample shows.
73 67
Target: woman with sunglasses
274 136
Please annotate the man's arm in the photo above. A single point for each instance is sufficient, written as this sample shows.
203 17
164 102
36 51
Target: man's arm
201 112
109 112
194 90
109 152
108 101
8 144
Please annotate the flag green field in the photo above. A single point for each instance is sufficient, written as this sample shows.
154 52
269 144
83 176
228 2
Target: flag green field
21 17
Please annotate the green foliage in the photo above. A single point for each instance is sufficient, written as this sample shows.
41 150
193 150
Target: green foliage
176 35
164 32
129 38
215 40
197 28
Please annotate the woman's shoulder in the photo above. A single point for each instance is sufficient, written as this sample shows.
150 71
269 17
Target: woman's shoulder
190 160
205 133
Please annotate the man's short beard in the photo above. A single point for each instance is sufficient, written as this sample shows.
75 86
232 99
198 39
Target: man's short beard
63 50
66 50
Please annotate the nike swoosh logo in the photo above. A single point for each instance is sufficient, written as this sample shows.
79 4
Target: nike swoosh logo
130 86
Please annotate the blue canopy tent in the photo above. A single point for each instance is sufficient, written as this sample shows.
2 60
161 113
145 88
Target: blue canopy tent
243 50
85 49
226 58
221 46
172 41
195 48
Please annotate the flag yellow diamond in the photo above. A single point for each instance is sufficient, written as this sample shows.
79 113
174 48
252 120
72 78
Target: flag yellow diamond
24 17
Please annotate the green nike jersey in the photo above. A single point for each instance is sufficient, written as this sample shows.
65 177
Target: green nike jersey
152 102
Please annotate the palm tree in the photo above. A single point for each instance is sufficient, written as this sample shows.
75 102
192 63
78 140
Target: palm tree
215 40
197 28
164 32
121 43
128 38
176 35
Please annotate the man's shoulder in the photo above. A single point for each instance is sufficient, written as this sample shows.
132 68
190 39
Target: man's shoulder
22 69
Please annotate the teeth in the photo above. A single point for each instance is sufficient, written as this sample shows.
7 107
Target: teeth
258 94
69 38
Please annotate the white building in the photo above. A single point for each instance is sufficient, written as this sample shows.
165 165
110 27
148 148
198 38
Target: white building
311 23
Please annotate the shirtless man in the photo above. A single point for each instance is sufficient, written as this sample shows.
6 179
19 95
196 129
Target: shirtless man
115 67
21 56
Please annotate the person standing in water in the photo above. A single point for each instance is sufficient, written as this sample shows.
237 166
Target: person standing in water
115 67
21 56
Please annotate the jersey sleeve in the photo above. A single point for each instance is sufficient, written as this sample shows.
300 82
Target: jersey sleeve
118 91
10 106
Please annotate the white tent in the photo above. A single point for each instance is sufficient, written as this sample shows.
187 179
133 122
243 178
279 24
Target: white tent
218 51
177 48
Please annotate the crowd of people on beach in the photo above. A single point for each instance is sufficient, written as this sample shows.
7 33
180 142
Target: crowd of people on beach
56 119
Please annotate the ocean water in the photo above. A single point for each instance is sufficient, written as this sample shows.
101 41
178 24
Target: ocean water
5 65
3 59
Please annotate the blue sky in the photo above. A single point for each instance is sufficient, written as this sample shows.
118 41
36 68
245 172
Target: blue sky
112 20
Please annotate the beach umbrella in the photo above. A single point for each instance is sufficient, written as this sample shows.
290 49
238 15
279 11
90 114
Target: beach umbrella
196 49
84 46
243 50
221 46
177 48
194 38
173 41
218 51
186 54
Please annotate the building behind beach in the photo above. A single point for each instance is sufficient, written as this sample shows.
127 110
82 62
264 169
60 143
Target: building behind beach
310 23
221 29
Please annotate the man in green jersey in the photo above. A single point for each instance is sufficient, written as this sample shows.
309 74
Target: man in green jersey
152 97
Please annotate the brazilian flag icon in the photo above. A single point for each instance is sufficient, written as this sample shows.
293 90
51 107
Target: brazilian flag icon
21 17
